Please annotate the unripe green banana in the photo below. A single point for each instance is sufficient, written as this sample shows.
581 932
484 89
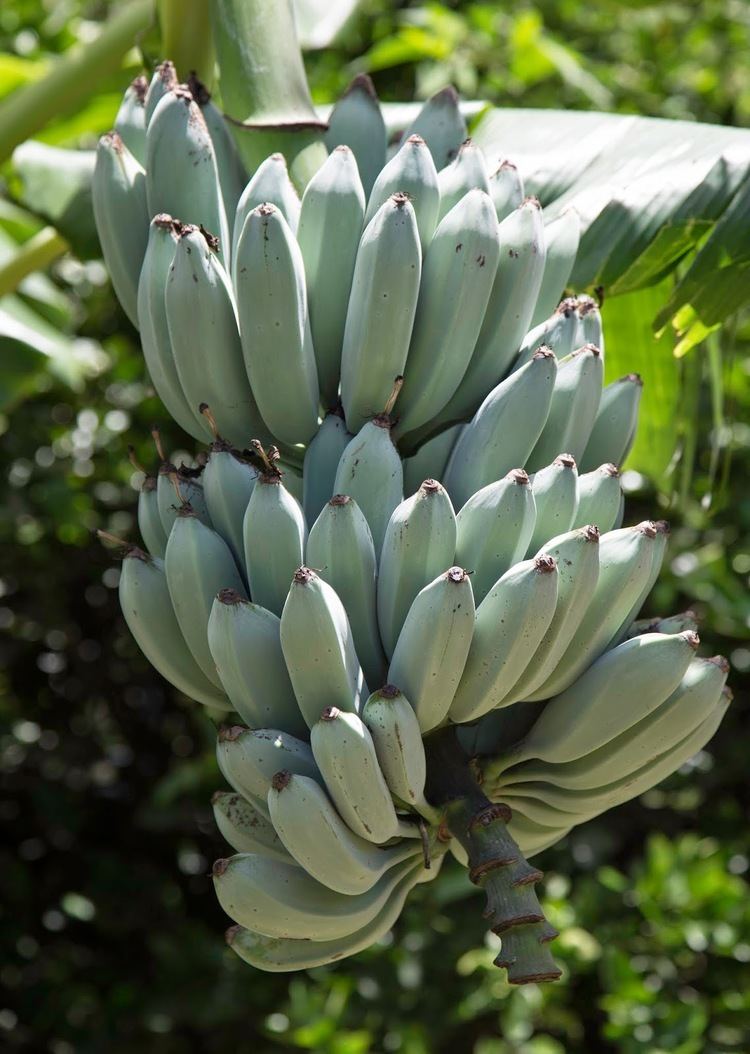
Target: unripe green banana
371 472
459 268
245 643
176 487
621 688
319 840
616 422
589 323
148 611
292 476
659 730
340 546
177 140
506 321
118 192
357 122
503 431
281 900
531 837
419 543
269 185
625 563
686 620
274 533
330 227
282 954
558 804
411 172
198 563
467 171
558 332
395 731
319 648
493 530
322 458
245 828
433 645
152 319
381 310
232 175
130 122
274 326
149 521
248 760
164 80
509 627
346 757
555 490
562 237
506 189
430 459
206 341
572 412
228 482
441 124
658 551
497 729
577 556
600 498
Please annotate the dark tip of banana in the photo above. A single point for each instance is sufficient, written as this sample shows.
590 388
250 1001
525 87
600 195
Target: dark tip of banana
280 780
545 564
456 574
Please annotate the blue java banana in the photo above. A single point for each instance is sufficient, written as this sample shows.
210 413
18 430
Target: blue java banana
330 228
562 237
442 126
459 267
205 338
340 546
163 80
282 900
270 184
198 563
506 189
316 837
432 647
494 528
130 122
118 192
152 319
249 758
228 481
504 430
357 122
555 491
419 543
177 139
600 498
245 644
411 172
430 459
322 456
371 472
510 624
147 606
149 521
573 409
245 828
318 647
395 731
381 310
274 534
467 171
274 326
616 421
347 759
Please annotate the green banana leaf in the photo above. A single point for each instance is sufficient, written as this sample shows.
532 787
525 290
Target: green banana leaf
319 22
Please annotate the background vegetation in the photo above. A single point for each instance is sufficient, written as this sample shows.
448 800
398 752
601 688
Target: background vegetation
111 936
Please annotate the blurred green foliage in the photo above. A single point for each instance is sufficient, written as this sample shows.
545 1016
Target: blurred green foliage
110 931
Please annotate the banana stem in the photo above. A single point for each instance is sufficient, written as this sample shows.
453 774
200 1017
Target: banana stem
34 255
263 85
72 78
496 864
187 39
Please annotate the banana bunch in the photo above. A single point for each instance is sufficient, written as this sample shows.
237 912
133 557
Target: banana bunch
408 522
